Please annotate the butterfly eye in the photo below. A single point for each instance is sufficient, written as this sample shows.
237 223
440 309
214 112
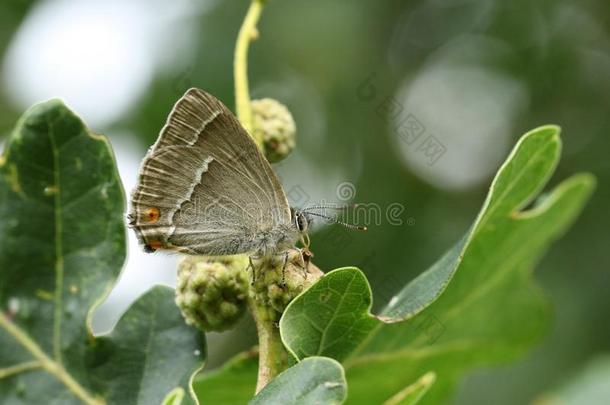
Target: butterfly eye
151 215
301 221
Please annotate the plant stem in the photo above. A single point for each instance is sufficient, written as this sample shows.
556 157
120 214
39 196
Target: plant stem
282 280
277 283
51 366
247 34
273 357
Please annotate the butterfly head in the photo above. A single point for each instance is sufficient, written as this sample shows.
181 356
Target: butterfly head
301 221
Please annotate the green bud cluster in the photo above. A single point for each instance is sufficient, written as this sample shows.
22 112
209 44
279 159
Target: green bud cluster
212 292
274 125
276 285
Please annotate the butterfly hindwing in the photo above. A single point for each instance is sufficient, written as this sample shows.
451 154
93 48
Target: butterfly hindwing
204 187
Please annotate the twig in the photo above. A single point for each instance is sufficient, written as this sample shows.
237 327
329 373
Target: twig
247 33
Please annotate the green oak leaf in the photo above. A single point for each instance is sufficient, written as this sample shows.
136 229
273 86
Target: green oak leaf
232 384
62 245
315 380
476 306
148 353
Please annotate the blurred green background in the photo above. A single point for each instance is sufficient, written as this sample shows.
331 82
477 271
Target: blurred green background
362 80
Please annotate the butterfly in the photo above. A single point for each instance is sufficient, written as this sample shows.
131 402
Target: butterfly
205 188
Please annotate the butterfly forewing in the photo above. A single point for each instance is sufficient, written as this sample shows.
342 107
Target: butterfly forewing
204 187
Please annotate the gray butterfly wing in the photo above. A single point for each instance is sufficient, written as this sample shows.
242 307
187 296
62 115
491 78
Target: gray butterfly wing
205 188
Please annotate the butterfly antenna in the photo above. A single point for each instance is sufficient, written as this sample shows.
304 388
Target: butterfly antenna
336 221
331 206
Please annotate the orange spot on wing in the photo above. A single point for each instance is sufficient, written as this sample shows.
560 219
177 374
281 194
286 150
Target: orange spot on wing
151 215
153 245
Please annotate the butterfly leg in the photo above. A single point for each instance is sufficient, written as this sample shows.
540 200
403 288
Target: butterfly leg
251 265
305 256
284 268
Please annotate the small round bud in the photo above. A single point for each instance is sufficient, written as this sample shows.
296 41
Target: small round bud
276 285
212 292
274 125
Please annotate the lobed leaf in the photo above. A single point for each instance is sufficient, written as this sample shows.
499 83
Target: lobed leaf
62 245
149 352
477 305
